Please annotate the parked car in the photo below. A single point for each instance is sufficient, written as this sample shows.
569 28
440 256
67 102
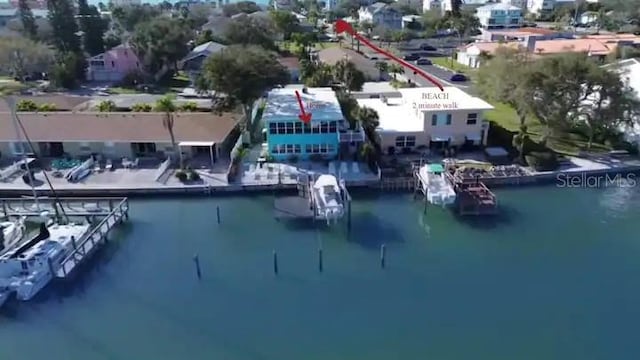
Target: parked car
411 57
423 62
458 78
427 47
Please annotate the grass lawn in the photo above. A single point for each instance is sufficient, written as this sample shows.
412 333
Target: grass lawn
453 65
568 144
293 47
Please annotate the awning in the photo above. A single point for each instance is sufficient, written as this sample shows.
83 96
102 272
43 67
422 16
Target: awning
473 137
196 143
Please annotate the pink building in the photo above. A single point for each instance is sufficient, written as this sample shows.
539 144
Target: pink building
113 65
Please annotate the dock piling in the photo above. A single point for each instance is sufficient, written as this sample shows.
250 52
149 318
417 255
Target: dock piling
218 214
383 252
320 264
275 262
73 241
196 260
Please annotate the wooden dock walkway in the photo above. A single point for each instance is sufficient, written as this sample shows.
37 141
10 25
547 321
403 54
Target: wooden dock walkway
27 206
94 239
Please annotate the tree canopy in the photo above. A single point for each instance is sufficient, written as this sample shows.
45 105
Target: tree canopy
246 7
161 42
29 26
20 56
564 93
248 30
243 74
93 27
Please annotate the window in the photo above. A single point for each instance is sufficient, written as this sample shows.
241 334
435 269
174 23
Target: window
316 129
113 64
405 141
472 119
333 127
273 128
448 119
297 128
289 148
434 120
324 128
281 129
289 127
320 148
286 149
308 149
307 128
278 149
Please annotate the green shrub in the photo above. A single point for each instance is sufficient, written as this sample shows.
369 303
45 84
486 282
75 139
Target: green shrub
47 107
141 107
190 106
26 105
542 161
193 175
182 175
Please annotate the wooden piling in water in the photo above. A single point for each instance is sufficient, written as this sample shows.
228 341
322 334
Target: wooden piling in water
383 252
218 214
73 241
196 260
320 264
275 262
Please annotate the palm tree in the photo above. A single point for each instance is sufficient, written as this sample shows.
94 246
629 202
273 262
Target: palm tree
169 107
382 67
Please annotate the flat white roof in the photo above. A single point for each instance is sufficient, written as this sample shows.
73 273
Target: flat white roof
282 104
452 98
394 116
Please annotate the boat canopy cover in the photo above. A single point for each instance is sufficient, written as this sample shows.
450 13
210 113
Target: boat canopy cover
436 168
326 180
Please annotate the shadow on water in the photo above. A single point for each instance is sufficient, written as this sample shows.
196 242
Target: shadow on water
370 231
506 215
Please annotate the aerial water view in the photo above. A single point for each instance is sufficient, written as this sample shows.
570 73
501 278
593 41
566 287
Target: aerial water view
319 180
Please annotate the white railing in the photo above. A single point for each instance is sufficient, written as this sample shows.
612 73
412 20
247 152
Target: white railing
163 169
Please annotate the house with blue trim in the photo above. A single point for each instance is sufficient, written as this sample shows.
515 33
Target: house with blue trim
289 138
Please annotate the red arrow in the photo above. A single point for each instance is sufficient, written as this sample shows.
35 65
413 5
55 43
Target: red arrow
304 116
343 26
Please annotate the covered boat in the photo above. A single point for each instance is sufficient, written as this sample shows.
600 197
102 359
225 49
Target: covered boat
328 197
434 183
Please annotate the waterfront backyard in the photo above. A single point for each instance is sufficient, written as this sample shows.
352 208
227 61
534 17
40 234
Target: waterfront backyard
553 277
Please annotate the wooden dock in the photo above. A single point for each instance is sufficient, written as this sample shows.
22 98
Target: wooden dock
473 196
94 239
27 206
104 213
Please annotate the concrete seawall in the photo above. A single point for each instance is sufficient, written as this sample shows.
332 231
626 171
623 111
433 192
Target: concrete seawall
208 190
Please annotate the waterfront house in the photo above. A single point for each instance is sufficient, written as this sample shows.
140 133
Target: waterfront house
116 135
289 138
113 65
192 63
428 117
500 15
381 14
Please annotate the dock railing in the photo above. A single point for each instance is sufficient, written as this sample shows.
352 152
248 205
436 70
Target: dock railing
96 234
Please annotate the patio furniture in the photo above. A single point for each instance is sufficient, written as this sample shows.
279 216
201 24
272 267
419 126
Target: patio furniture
97 167
355 168
109 165
126 163
134 164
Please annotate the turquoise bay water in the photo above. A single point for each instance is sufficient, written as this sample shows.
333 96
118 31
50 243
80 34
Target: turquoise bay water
556 277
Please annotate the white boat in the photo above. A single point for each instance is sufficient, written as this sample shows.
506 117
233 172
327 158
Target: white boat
11 234
438 189
328 198
28 268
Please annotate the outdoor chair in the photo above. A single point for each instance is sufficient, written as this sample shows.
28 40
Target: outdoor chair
109 165
135 163
126 163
